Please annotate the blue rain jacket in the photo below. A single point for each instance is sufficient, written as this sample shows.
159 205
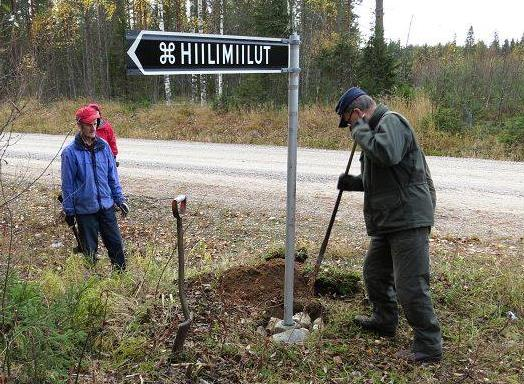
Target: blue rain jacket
89 178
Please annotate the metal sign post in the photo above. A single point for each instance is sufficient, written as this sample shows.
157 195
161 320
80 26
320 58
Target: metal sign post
294 72
171 53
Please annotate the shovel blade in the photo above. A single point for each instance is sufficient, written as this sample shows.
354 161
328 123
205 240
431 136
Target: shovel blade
181 335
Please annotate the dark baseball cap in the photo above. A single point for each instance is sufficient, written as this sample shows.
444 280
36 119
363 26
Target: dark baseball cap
345 100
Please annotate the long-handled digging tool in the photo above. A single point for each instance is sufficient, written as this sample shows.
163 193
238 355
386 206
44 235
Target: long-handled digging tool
331 222
78 248
178 207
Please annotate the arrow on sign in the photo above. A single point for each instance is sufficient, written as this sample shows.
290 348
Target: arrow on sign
131 52
169 53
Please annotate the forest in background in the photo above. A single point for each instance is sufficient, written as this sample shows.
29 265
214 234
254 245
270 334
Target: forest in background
65 321
72 49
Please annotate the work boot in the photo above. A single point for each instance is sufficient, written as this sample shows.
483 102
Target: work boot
369 323
418 357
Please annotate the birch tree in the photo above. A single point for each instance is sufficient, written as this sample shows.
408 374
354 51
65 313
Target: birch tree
221 30
167 81
200 23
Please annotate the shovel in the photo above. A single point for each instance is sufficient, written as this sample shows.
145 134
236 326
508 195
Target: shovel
331 222
178 207
78 248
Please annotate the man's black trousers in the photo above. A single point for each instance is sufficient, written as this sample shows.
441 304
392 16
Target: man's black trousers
103 222
397 269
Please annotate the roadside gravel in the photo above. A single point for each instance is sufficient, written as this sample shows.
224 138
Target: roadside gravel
476 198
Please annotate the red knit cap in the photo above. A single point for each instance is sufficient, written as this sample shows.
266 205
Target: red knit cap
86 115
95 106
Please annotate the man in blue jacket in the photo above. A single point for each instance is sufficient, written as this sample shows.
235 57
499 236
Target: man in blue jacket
90 189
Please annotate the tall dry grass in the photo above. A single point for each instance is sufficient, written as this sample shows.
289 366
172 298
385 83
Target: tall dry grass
318 127
472 142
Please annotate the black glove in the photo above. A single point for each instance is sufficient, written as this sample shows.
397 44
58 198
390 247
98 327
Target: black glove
124 208
70 220
349 183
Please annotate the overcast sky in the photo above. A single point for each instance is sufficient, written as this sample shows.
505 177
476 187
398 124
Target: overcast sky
437 21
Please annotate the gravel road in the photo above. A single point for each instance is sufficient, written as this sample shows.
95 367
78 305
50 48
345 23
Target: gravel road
483 198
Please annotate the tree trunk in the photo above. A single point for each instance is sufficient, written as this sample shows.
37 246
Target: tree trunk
167 81
220 83
106 56
194 78
350 15
100 59
203 95
379 18
296 16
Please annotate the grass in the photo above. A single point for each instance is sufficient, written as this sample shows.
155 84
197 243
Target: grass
57 306
318 126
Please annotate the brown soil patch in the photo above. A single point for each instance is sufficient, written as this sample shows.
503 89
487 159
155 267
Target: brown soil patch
260 286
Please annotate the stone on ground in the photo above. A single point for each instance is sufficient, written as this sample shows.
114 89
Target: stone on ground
291 336
271 325
318 324
281 327
303 320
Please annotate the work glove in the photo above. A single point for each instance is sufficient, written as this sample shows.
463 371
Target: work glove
70 220
124 208
349 183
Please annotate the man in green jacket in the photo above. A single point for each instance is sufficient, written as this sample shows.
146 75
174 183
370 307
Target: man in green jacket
399 204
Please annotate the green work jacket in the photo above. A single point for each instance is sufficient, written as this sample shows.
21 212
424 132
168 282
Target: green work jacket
398 189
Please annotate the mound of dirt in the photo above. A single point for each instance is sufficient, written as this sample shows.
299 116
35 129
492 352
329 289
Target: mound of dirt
261 285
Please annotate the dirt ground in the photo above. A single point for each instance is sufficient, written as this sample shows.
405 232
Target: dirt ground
225 247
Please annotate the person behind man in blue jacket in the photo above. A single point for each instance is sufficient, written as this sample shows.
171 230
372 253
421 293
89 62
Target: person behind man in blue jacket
90 189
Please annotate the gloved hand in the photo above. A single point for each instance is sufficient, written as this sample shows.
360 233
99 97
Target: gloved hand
70 220
124 208
349 183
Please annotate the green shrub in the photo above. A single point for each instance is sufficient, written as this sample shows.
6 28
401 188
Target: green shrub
447 120
39 344
43 336
513 132
405 91
512 137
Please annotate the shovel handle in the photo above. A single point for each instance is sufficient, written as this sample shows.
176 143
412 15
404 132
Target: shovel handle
180 199
73 228
332 220
183 327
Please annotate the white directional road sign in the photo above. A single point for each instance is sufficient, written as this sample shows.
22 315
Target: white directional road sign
170 53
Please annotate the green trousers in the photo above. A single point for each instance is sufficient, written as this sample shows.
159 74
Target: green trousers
397 268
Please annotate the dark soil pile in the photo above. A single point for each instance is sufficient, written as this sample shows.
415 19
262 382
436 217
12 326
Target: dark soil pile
260 286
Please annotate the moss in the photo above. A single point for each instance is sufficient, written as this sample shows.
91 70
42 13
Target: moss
337 282
301 254
132 349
